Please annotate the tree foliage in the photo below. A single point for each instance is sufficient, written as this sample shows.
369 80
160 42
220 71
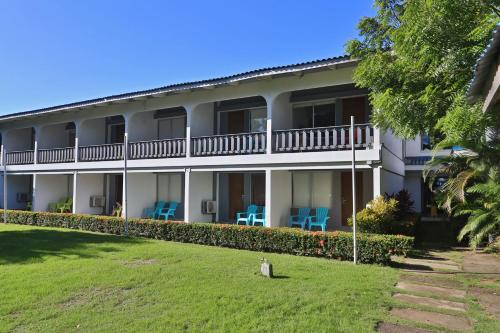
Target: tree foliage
416 57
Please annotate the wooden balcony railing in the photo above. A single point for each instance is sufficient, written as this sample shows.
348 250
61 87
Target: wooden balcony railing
19 157
229 144
56 155
322 138
105 152
157 149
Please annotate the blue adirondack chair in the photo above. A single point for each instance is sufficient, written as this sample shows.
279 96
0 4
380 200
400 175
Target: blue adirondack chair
169 211
153 212
300 219
246 217
319 220
260 217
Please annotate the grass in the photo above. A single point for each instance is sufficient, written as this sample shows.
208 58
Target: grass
55 280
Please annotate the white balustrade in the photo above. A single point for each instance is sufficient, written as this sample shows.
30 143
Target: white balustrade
19 157
56 155
105 152
322 138
229 144
157 149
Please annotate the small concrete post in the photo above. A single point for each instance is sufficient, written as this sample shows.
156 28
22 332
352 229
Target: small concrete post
266 268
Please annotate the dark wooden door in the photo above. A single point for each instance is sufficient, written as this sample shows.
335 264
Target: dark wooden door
259 189
355 106
236 192
118 189
346 193
236 122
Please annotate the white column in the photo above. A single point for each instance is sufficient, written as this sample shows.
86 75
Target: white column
187 186
75 182
189 115
34 194
377 181
35 148
269 195
77 136
269 124
376 138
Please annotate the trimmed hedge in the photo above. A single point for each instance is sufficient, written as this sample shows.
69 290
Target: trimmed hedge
335 245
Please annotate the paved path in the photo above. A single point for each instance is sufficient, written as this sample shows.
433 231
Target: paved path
430 299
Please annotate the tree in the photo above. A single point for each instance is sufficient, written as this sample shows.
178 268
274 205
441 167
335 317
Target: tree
473 185
416 57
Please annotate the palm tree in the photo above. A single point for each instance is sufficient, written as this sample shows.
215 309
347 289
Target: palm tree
472 188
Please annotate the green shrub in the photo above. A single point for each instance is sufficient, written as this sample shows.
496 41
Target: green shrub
377 217
335 245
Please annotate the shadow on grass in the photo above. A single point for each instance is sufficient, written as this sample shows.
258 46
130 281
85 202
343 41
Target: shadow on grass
34 245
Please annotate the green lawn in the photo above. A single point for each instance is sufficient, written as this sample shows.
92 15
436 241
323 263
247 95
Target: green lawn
55 280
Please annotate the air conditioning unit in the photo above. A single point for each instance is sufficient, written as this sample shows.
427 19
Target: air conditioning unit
97 201
22 197
209 207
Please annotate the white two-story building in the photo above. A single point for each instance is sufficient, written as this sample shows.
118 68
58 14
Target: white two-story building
276 137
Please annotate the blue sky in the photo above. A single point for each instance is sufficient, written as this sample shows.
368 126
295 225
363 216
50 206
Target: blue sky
55 52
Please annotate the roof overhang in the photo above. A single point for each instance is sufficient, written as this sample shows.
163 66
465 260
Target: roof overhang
232 80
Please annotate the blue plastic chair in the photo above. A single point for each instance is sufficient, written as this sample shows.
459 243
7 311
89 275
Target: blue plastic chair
300 219
246 217
154 212
169 211
319 220
260 217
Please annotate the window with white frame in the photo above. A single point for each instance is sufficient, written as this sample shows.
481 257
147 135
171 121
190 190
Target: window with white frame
171 128
310 115
170 187
312 189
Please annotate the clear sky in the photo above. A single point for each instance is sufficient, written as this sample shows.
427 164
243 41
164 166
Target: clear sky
59 51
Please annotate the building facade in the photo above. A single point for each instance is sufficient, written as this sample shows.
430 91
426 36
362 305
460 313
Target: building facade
276 137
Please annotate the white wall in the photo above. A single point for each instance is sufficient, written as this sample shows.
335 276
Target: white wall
282 112
18 140
390 182
202 120
50 189
92 132
200 188
142 126
281 197
17 184
141 193
52 136
87 185
413 184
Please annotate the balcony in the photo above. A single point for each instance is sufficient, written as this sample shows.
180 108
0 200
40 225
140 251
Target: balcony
105 152
157 149
322 138
56 155
19 157
229 144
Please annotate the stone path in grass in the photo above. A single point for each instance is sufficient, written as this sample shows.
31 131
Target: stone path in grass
429 298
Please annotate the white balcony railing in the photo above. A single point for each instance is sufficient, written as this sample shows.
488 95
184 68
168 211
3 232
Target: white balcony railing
229 144
19 157
105 152
56 155
322 138
157 149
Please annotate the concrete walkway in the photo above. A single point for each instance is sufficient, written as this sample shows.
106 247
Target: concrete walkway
430 298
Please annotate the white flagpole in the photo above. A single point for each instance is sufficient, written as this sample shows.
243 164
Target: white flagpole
125 181
353 191
4 163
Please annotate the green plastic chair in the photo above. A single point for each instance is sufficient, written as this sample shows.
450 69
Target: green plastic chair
246 217
65 205
300 219
260 217
154 212
320 219
168 212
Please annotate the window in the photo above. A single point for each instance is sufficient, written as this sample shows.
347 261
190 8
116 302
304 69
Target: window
170 187
312 189
171 128
318 115
258 120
